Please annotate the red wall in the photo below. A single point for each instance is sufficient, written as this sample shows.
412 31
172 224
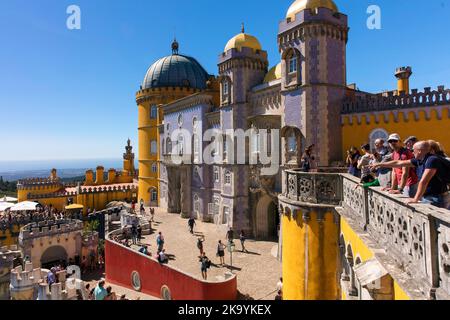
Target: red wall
121 262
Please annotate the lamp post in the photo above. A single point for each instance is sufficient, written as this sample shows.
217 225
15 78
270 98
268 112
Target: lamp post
231 247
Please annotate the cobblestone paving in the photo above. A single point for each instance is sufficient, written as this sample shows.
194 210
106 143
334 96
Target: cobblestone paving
257 271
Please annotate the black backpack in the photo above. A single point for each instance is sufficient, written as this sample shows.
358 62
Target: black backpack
446 177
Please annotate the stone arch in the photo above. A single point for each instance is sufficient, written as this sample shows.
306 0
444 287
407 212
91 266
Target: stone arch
292 144
267 218
53 255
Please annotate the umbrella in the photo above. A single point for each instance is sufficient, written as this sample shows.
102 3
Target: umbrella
8 199
74 207
24 206
5 205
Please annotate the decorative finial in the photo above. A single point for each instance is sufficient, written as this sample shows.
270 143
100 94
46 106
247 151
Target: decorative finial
175 46
243 28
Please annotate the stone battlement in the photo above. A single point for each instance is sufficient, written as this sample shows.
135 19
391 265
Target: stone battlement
49 228
106 188
62 194
389 101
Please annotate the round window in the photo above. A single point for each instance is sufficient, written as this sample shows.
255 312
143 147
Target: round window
136 281
165 293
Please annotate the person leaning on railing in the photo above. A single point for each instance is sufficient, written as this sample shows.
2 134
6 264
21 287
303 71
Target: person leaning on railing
433 172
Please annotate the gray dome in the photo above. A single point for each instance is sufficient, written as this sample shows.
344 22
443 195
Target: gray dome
176 71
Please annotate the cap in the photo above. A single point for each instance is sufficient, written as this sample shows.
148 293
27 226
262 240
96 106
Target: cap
394 137
411 139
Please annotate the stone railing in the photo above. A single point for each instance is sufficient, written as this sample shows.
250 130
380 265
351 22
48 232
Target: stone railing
316 188
416 237
380 102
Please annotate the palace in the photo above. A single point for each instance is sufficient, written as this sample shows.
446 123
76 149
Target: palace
337 239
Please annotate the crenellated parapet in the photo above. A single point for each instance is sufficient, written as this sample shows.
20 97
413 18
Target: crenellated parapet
108 188
389 101
49 228
63 194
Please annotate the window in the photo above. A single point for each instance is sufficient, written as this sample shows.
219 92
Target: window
196 146
225 88
196 203
216 174
169 146
180 120
293 64
153 147
292 143
227 177
154 195
180 144
155 168
255 141
153 112
226 215
195 123
168 127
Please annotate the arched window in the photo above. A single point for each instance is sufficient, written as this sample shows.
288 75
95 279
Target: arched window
226 92
180 120
153 112
180 144
195 122
227 177
292 64
292 143
378 134
292 67
153 147
216 175
163 146
169 146
196 204
153 195
155 168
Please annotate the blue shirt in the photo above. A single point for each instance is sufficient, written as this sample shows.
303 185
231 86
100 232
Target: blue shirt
437 185
100 293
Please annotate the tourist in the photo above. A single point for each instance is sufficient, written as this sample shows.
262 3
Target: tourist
100 292
242 239
144 250
162 257
383 154
279 296
123 297
51 277
133 207
160 241
404 180
191 224
433 172
91 294
205 264
364 162
230 235
221 252
152 212
280 284
200 241
436 149
307 160
410 142
142 208
139 233
134 234
353 156
109 294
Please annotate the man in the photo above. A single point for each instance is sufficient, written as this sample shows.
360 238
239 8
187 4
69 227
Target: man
191 224
365 160
160 241
434 174
404 180
134 234
230 235
100 292
51 276
205 264
384 155
410 142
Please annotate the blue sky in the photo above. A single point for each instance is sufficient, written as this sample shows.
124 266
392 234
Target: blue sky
70 94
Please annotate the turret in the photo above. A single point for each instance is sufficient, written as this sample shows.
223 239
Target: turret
89 178
99 176
111 176
403 74
53 175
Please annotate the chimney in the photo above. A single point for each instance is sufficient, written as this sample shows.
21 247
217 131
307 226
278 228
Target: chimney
403 74
99 176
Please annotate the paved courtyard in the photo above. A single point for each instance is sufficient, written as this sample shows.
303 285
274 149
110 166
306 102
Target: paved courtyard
258 271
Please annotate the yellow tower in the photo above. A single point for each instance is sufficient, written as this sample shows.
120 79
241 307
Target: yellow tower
168 79
403 74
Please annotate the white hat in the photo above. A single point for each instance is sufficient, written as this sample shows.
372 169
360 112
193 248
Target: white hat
394 137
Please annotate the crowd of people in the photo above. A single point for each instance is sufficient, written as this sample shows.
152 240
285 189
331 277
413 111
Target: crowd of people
419 170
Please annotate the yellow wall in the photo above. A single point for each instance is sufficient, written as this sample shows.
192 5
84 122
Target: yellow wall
312 246
360 250
356 134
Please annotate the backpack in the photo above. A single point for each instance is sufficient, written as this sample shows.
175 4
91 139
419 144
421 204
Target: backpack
446 178
208 264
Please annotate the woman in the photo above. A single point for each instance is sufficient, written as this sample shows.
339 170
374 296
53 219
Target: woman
353 156
242 238
221 252
205 263
200 245
110 295
307 160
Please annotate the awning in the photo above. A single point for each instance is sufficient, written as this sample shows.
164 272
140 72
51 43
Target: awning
75 207
25 206
5 205
369 271
8 199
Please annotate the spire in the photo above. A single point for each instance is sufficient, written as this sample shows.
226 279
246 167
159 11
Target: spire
243 28
175 46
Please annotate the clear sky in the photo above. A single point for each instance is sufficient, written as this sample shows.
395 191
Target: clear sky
68 94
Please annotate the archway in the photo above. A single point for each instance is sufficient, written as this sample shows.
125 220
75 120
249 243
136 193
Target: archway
52 256
267 219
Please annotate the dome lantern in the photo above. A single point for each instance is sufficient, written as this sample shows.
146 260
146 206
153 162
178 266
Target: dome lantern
243 40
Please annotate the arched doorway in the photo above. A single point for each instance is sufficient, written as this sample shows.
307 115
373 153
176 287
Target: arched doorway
52 256
267 219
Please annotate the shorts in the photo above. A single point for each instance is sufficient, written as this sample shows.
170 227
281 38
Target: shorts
221 254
